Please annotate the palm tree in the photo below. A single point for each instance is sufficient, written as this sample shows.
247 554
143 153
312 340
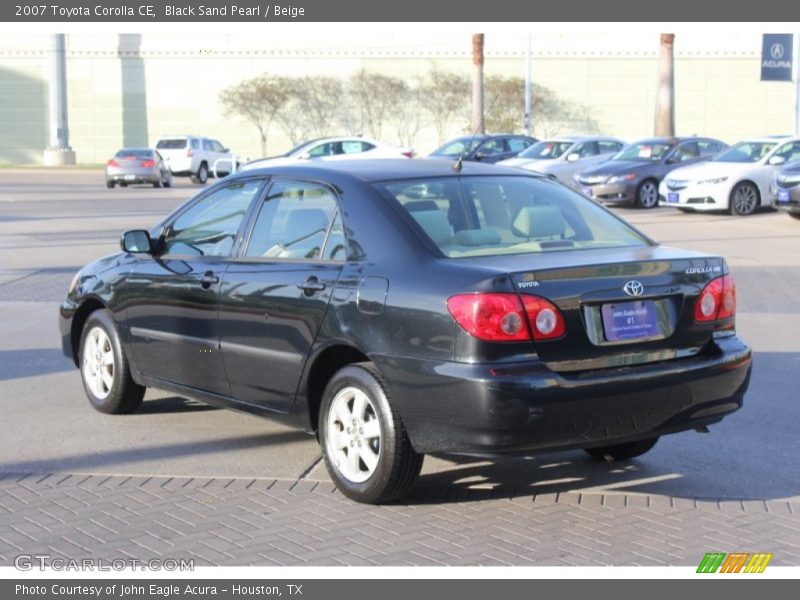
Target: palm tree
665 96
477 83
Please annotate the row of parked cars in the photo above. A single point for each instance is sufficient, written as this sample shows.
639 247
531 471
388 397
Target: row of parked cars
688 173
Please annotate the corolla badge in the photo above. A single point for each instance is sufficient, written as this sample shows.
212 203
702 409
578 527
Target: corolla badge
633 288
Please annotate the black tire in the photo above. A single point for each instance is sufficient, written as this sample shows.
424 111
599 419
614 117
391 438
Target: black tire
622 451
744 199
201 176
647 194
125 395
794 215
168 182
123 184
159 183
398 465
110 185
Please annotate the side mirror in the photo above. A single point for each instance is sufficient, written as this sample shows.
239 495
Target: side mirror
137 241
572 157
776 160
304 156
226 149
480 155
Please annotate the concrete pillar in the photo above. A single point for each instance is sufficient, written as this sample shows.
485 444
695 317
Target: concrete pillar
59 152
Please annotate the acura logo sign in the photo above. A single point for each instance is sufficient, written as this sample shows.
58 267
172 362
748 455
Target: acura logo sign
776 51
633 288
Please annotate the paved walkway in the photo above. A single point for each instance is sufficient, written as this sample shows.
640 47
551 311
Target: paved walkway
284 522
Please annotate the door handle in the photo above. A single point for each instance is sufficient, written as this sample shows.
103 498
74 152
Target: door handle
311 286
208 279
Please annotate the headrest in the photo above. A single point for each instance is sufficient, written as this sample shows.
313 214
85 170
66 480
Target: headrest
435 224
539 222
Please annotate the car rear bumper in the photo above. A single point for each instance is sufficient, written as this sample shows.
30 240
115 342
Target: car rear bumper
458 407
133 175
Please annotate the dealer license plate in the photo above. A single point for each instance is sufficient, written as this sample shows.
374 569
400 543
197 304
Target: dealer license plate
783 196
672 197
630 320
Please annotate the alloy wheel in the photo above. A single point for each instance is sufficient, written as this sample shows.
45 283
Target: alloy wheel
98 363
745 200
648 194
353 435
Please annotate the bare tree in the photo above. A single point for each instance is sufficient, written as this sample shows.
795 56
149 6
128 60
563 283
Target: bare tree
258 100
318 107
375 96
665 98
406 116
446 96
477 83
551 114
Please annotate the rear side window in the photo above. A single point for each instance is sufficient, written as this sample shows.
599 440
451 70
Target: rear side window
480 216
134 153
606 147
517 144
294 223
172 144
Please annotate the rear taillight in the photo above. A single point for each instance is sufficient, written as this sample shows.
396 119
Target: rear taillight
717 300
409 154
190 153
112 163
545 319
149 163
503 317
490 317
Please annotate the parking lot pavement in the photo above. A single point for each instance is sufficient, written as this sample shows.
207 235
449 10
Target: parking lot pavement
179 479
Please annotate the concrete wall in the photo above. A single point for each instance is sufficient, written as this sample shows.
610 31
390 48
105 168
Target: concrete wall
130 89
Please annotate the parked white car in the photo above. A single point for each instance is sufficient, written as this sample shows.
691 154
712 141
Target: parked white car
195 156
334 148
737 180
563 157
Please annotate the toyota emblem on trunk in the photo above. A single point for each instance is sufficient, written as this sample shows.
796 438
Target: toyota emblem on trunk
633 288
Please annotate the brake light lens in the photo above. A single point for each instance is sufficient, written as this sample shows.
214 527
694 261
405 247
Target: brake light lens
547 322
490 317
149 163
717 300
409 154
112 163
190 153
504 317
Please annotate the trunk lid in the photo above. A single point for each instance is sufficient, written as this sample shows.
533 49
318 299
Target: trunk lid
607 326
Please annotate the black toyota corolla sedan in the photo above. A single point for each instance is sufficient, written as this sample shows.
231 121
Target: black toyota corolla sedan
398 308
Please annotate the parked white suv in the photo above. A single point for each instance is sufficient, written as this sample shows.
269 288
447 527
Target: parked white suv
194 156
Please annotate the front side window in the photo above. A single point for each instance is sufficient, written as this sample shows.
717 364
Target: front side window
487 216
328 149
209 226
790 152
708 148
492 147
607 146
687 151
746 152
586 149
294 223
517 144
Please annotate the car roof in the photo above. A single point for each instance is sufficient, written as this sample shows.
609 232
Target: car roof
770 139
384 169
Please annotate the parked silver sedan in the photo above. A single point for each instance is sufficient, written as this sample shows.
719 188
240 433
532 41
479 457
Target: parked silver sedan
137 165
563 157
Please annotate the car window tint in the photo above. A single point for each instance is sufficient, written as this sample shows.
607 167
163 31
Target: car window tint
293 222
586 149
492 147
322 150
746 152
171 144
686 151
209 226
708 148
479 216
605 147
352 147
517 144
335 245
790 151
196 144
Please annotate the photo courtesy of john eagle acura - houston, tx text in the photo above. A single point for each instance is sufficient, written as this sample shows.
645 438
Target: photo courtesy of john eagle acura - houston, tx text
395 308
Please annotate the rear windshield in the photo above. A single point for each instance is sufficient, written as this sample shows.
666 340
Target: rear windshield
495 215
134 153
172 144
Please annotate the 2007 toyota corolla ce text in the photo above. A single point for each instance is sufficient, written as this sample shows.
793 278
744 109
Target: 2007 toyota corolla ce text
397 308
